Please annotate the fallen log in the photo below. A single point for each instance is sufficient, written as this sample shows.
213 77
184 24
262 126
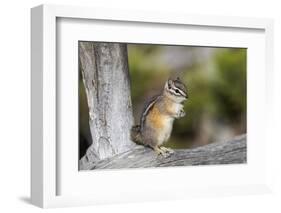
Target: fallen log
233 151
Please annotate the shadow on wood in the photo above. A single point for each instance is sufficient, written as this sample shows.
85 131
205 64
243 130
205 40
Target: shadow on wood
229 152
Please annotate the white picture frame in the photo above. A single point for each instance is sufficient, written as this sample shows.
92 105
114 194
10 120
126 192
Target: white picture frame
44 153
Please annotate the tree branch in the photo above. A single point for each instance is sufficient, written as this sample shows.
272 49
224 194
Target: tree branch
229 152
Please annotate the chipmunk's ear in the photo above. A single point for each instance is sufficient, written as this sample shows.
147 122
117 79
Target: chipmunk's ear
169 84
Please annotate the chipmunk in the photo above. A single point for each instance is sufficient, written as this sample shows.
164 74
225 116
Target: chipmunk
157 119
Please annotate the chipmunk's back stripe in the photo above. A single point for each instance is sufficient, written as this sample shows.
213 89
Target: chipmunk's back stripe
148 108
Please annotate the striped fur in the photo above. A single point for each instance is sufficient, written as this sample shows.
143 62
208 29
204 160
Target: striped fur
177 88
147 109
157 118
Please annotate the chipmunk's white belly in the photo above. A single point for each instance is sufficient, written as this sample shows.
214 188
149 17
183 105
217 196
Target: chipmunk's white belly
165 132
178 107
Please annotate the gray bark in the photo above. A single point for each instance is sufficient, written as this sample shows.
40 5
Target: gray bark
229 152
106 79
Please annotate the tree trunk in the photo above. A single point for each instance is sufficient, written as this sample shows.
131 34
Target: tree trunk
105 74
106 79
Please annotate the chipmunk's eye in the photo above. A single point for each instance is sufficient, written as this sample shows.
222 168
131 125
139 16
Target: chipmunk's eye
177 91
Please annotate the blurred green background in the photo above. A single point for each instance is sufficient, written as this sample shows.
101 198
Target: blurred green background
215 80
216 84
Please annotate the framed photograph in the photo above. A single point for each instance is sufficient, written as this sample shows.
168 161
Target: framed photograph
130 106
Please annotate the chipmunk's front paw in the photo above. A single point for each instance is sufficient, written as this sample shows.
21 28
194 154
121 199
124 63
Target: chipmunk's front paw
181 114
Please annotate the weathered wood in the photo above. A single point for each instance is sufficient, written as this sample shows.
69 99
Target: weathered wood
229 152
106 79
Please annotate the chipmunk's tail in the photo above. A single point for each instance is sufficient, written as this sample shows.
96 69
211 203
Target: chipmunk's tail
136 134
